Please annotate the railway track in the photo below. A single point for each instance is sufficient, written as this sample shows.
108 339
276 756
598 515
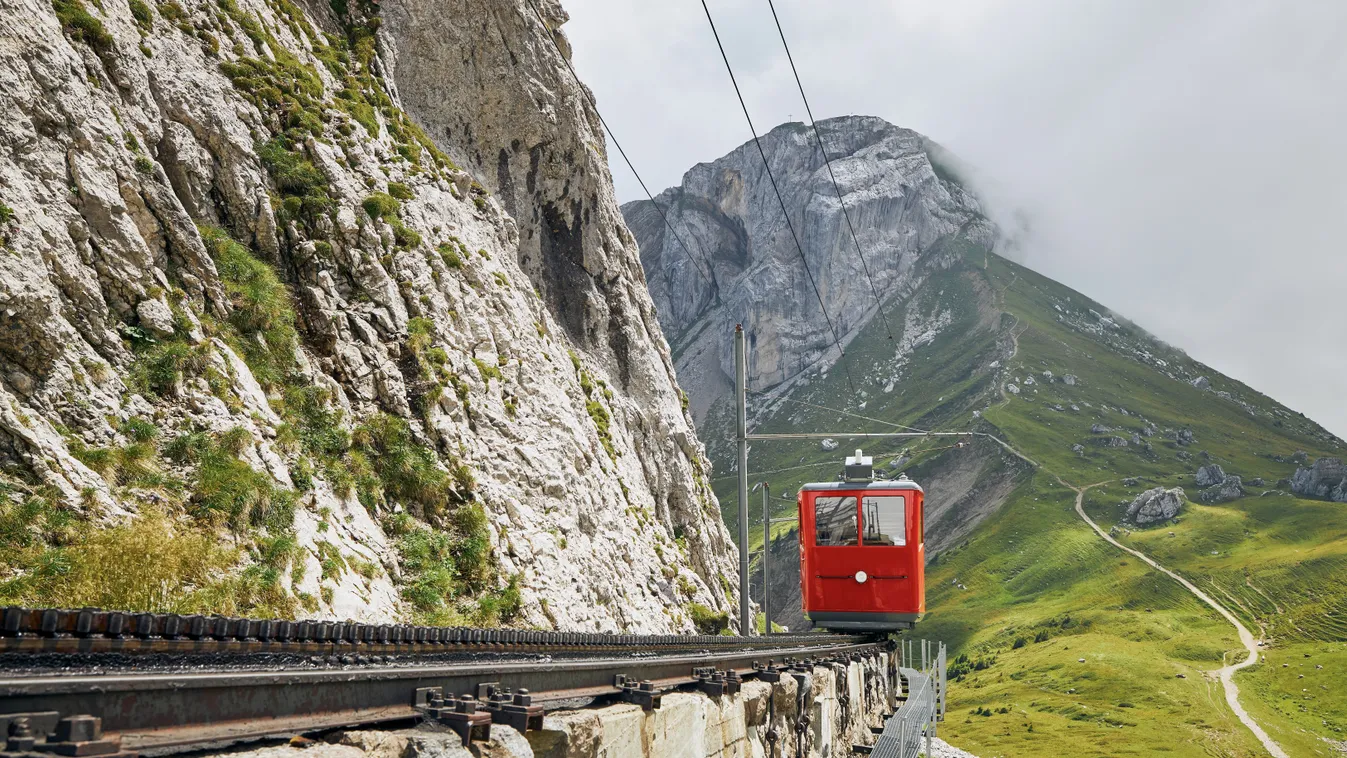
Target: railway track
88 682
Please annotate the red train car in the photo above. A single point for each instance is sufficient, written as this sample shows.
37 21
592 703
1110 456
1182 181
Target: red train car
862 557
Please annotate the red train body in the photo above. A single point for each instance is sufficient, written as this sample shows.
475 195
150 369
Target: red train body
862 555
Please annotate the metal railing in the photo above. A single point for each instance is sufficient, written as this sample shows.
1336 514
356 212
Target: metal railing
925 704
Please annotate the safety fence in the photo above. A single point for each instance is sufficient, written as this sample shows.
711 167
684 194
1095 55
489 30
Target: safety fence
922 669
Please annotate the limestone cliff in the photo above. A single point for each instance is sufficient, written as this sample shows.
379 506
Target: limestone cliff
330 311
901 200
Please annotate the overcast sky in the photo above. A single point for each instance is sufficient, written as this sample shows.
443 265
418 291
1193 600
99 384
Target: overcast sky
1182 162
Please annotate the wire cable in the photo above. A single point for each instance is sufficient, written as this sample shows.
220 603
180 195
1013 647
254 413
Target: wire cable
847 413
820 464
779 199
710 281
879 304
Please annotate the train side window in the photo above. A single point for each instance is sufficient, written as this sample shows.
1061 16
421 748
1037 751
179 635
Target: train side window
835 520
885 520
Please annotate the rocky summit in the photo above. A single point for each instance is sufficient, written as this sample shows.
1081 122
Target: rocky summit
734 259
331 311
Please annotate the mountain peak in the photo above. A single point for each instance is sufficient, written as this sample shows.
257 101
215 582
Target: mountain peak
728 215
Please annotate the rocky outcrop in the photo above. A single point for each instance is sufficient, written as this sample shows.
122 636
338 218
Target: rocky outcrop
1218 486
1209 475
743 255
1229 488
1157 504
1325 479
328 289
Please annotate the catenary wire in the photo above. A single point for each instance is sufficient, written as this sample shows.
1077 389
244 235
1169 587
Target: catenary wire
879 303
780 200
710 282
845 413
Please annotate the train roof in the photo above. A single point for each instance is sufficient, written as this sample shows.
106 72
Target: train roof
882 484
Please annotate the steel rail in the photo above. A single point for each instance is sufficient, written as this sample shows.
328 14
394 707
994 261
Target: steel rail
55 631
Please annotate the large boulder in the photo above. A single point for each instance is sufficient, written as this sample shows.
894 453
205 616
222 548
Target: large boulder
1229 488
1201 383
1209 475
1153 505
1184 437
1327 479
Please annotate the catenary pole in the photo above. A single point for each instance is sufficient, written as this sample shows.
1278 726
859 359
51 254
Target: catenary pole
766 553
741 404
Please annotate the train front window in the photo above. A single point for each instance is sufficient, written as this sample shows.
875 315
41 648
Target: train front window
884 519
835 520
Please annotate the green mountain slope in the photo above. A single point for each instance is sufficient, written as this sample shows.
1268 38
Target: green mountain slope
1018 584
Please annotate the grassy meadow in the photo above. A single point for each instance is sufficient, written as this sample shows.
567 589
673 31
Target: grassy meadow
1061 644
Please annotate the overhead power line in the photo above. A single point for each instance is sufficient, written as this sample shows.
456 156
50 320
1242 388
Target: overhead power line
845 413
781 201
697 265
879 303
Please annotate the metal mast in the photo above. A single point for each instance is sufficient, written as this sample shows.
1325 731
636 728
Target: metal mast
766 552
741 403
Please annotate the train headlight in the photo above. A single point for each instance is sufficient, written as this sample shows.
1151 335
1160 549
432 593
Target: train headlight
861 577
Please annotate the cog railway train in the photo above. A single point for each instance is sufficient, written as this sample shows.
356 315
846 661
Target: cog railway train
862 555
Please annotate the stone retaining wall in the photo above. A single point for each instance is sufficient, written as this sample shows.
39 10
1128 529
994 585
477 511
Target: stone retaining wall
839 703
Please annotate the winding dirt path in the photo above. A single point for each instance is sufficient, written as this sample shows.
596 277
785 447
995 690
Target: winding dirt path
1226 674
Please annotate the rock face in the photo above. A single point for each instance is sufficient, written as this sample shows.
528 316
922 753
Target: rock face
1158 504
238 243
1209 475
1326 479
728 216
1229 488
